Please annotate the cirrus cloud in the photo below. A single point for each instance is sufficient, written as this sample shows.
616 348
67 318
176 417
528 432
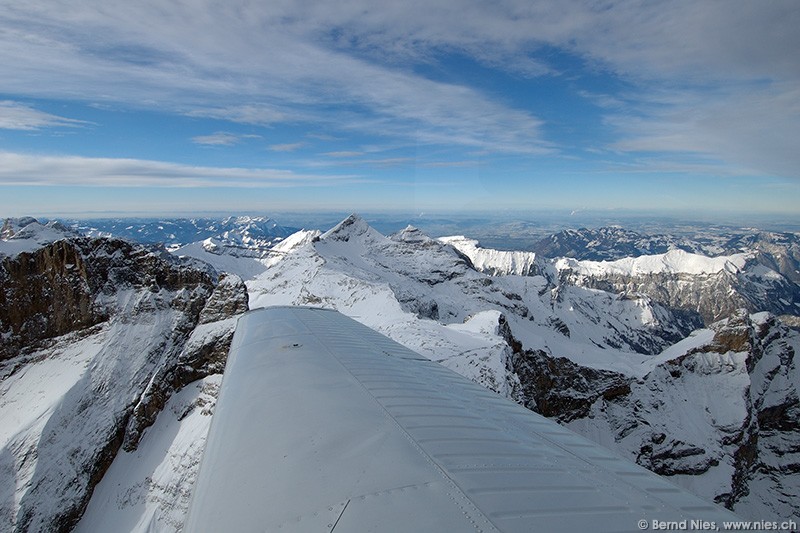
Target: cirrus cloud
22 169
19 116
371 68
222 138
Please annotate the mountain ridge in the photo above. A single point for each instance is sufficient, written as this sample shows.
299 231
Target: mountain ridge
626 368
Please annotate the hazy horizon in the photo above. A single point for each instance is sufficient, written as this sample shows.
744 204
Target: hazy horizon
479 224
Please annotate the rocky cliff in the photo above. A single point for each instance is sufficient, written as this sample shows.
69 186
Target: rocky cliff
714 287
69 285
97 335
722 418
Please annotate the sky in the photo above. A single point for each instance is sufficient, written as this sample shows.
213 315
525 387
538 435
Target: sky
187 106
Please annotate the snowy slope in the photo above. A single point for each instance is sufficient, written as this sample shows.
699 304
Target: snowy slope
494 262
149 489
208 252
714 407
409 288
246 262
29 398
27 234
110 331
288 244
717 413
673 262
56 454
710 287
777 251
610 357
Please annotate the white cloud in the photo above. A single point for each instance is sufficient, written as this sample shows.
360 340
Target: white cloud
351 65
222 138
344 154
22 169
253 63
257 114
692 41
286 147
452 164
756 130
18 116
381 162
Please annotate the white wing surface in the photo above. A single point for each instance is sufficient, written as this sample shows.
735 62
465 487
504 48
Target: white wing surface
324 425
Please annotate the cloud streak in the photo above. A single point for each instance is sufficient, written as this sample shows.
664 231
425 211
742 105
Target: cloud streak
243 62
25 170
286 147
755 130
19 116
222 138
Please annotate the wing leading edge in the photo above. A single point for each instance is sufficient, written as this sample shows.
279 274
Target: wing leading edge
323 424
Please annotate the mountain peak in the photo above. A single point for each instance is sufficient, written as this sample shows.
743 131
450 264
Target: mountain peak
27 234
12 225
352 226
411 234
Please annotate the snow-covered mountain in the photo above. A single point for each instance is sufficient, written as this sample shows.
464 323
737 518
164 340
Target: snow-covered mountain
243 232
708 288
420 278
713 287
615 367
608 243
26 234
717 413
682 381
95 336
778 251
495 262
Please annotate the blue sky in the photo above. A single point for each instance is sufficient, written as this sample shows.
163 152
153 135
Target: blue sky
244 106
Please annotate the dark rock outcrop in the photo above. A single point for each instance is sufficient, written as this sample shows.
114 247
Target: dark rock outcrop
43 294
204 354
65 286
558 388
159 324
730 405
228 299
713 296
555 386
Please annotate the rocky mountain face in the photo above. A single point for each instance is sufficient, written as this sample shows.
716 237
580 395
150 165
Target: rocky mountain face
495 262
696 286
721 418
97 334
776 251
13 225
712 288
67 285
432 280
713 408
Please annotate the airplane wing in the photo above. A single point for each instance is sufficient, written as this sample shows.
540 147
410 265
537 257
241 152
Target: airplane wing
324 425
